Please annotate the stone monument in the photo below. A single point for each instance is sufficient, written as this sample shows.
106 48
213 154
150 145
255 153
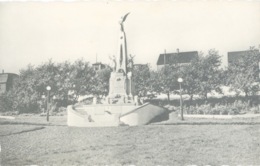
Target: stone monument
121 107
121 89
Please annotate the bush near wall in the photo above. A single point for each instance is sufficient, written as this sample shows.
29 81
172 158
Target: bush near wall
5 103
206 109
226 100
213 106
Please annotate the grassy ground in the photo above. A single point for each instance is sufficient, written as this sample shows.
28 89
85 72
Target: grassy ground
36 120
144 145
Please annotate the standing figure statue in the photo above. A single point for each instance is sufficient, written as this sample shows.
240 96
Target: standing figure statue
130 64
113 58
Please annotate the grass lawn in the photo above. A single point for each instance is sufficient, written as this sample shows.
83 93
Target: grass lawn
144 145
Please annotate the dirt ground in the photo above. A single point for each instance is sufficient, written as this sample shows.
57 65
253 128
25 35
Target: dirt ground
25 144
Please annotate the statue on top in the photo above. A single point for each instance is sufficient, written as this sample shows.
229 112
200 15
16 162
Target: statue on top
121 22
122 51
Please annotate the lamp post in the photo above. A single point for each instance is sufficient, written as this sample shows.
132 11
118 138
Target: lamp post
48 88
42 105
180 80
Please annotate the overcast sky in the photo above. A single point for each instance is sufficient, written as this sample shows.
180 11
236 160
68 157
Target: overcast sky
34 32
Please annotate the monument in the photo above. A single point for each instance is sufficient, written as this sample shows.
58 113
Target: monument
121 89
122 106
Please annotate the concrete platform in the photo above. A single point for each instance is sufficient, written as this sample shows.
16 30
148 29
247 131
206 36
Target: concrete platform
114 115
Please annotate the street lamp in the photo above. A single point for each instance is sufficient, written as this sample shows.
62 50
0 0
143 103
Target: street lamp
180 80
48 88
43 103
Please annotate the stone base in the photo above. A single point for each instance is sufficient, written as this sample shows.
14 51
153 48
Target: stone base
120 89
121 100
114 115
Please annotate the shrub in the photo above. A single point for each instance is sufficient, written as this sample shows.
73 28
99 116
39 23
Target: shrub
228 109
31 107
240 106
6 104
215 111
255 110
204 109
223 109
233 111
220 110
171 108
191 110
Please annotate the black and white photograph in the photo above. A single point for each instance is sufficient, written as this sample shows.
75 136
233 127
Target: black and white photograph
130 83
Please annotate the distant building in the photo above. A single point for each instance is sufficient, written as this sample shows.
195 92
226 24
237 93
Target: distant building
7 81
178 58
98 66
235 56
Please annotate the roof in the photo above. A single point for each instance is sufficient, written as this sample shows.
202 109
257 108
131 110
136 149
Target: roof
235 55
4 77
181 57
97 63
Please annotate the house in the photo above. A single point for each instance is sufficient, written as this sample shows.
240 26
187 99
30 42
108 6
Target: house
178 58
235 56
7 81
98 66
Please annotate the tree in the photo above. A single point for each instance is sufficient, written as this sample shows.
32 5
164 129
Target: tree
6 102
64 79
208 73
67 82
141 76
101 85
243 74
24 91
190 75
165 80
82 79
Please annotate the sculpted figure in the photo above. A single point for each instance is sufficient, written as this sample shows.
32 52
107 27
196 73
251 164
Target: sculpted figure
130 63
121 22
113 58
122 51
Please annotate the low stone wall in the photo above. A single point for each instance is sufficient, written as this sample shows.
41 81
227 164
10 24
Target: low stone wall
89 119
115 115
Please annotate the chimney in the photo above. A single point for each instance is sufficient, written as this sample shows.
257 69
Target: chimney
178 50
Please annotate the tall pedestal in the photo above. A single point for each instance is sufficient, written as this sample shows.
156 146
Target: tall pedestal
120 89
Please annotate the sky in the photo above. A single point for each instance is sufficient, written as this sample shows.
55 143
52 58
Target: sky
34 32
